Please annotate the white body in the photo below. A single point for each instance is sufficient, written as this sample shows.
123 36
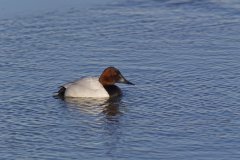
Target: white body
85 87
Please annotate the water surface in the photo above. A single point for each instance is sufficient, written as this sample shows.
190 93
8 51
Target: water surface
183 57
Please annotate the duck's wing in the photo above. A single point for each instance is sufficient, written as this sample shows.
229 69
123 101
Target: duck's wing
66 85
86 87
78 81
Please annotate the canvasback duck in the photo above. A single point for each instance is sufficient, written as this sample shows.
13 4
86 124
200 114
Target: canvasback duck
95 87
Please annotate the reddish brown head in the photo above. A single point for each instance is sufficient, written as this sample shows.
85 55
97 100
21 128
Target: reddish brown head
111 76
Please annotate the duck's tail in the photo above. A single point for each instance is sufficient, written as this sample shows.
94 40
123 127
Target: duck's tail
60 93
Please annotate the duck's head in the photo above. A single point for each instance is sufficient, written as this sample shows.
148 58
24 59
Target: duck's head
112 75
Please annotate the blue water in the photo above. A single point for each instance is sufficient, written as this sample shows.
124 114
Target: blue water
183 57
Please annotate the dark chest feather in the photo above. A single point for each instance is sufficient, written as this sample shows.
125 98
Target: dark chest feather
113 90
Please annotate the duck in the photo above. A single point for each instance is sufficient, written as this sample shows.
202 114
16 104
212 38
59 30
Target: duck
95 87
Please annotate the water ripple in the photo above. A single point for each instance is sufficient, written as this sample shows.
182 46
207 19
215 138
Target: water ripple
183 57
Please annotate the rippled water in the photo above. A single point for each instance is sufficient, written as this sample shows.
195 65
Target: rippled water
183 57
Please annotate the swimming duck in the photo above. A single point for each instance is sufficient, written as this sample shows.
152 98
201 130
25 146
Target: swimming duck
95 87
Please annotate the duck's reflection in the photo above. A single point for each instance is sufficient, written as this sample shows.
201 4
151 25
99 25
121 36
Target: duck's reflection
108 106
109 119
112 106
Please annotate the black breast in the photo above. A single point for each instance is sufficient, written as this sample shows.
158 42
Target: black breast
113 90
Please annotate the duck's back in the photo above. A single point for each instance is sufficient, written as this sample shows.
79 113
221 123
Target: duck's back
85 87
